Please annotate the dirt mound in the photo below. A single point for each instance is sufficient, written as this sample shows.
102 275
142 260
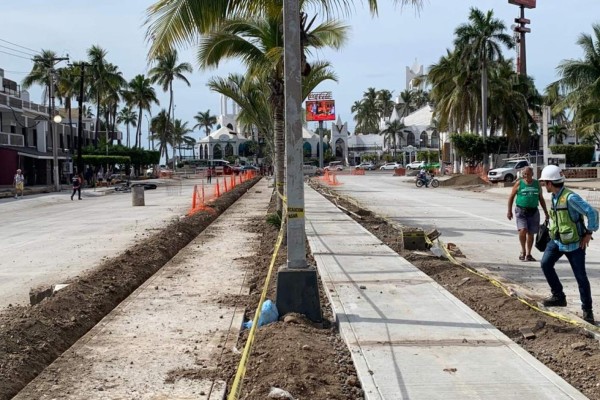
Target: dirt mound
463 180
31 338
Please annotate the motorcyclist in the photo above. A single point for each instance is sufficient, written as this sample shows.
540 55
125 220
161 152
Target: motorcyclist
423 176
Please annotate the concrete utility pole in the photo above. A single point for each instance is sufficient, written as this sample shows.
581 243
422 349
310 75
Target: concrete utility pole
297 289
321 144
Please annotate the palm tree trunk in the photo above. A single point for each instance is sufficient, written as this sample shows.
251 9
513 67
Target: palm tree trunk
128 143
137 134
484 105
96 127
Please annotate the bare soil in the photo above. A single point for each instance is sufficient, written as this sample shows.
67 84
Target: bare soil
309 360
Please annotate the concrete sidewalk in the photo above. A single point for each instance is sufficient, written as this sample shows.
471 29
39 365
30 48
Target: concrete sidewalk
409 337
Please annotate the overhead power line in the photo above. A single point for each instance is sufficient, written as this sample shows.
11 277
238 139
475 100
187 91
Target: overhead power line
18 45
18 51
16 55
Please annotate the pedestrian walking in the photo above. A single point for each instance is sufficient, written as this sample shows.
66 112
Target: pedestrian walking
209 175
100 177
570 237
76 181
529 196
19 183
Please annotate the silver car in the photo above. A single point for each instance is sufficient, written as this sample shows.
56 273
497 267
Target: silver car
390 166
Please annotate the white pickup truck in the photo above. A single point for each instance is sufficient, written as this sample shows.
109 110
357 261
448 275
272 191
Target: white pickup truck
508 172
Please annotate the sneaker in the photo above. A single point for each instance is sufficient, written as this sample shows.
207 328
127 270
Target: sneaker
588 316
555 301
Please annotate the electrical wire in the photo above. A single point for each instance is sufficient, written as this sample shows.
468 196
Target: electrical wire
23 47
15 55
18 51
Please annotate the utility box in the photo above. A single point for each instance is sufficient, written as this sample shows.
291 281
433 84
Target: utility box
414 239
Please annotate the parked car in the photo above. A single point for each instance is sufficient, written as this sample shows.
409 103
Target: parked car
508 172
334 166
309 169
593 164
416 165
249 168
369 166
390 166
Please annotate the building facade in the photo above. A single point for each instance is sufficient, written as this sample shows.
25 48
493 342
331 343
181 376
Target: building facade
26 140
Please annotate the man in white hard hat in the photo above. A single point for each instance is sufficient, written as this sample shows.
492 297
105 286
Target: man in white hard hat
570 237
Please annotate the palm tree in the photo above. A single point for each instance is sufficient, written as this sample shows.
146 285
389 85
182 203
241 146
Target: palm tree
40 72
205 120
366 110
480 39
172 24
161 132
179 136
558 133
393 130
127 116
105 86
141 94
166 71
258 41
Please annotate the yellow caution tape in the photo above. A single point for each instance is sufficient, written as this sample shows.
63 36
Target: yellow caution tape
499 285
236 387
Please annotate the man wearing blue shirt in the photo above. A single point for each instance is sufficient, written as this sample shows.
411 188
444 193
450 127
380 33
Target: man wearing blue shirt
570 237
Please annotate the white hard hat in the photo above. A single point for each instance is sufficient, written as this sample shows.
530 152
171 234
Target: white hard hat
552 173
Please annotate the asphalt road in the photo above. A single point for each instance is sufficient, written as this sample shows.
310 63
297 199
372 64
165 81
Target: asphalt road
475 221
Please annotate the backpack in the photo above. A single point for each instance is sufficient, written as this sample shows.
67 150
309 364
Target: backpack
76 181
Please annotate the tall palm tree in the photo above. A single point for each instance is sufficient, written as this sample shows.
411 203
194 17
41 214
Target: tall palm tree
40 73
558 133
166 71
258 42
205 120
105 85
179 136
481 39
366 112
160 127
127 116
384 103
141 94
393 131
175 23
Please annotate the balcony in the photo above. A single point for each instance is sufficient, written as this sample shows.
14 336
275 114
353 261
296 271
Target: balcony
11 139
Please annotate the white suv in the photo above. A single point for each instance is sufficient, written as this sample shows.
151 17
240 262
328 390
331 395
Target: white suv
416 165
508 172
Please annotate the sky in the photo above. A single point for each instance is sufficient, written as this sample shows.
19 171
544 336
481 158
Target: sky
376 53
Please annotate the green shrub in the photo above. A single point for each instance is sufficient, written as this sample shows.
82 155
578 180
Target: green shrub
274 219
575 154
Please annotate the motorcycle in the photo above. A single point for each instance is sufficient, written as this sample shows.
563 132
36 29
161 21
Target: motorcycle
425 180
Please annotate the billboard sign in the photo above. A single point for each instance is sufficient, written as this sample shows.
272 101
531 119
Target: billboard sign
524 3
320 106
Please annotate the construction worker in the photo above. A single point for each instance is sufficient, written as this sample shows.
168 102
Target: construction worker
570 237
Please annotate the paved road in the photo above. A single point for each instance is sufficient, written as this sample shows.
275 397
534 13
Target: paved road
45 239
475 221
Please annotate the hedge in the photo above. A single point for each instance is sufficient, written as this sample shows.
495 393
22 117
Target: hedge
576 154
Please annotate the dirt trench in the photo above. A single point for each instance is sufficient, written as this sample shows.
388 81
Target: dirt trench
32 337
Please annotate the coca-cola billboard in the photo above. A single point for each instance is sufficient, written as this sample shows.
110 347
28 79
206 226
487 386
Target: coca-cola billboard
524 3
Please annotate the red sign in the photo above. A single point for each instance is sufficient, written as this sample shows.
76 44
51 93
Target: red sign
524 3
320 110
